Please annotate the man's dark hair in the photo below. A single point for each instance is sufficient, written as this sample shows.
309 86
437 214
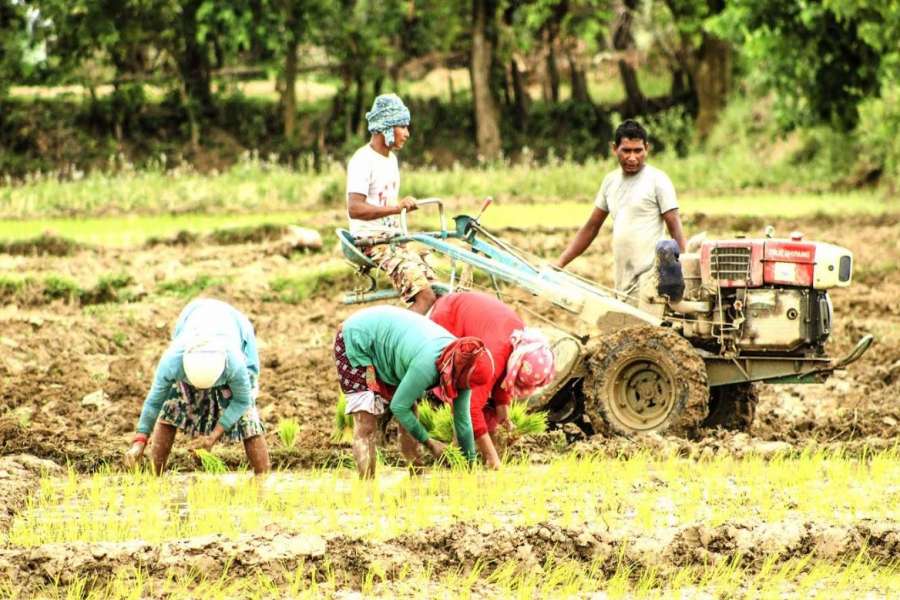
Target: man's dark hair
632 130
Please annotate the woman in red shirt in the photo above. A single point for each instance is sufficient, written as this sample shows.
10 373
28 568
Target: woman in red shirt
522 358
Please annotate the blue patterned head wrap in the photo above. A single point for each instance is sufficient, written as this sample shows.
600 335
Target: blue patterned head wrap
388 111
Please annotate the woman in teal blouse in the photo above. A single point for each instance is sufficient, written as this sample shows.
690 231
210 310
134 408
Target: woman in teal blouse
409 355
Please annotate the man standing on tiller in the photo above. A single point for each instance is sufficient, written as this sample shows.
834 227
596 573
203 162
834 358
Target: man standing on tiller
641 200
373 187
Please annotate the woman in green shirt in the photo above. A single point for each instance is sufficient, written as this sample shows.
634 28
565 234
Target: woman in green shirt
409 354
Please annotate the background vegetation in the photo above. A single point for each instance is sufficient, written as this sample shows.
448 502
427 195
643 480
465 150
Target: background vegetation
807 89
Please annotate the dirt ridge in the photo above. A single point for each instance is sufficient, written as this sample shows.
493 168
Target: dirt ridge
277 553
19 476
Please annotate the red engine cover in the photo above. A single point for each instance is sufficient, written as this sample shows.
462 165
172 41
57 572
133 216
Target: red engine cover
755 262
732 263
789 262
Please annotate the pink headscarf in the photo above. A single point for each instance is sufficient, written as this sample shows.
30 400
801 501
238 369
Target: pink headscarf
531 364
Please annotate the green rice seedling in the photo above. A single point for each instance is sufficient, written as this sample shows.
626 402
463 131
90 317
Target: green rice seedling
211 463
343 423
525 422
443 423
425 412
454 458
287 432
122 506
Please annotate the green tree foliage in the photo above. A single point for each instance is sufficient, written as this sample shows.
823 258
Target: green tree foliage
21 48
142 38
822 57
831 62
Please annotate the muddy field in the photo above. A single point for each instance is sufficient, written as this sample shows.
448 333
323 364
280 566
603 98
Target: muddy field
73 373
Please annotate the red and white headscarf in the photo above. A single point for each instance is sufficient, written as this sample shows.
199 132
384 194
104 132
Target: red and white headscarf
464 363
531 364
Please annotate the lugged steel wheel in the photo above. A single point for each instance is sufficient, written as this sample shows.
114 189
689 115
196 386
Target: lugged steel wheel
646 379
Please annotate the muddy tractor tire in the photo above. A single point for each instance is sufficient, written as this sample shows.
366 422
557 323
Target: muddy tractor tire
646 379
732 407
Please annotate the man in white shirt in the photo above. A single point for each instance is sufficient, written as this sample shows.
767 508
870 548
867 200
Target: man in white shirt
643 205
373 188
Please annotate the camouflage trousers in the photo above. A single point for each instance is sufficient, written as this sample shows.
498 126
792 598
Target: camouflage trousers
407 269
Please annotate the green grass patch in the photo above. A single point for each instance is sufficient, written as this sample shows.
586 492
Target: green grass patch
61 288
248 187
30 290
247 234
110 289
771 206
11 288
45 244
132 231
187 288
295 289
254 193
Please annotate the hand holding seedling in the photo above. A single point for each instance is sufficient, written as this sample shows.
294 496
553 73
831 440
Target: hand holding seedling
206 442
503 417
134 454
435 447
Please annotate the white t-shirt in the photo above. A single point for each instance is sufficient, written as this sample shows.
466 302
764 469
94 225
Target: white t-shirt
377 178
636 204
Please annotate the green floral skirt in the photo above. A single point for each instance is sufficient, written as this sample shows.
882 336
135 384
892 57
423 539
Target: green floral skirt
196 412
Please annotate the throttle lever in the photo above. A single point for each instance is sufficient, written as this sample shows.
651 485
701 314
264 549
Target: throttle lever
487 202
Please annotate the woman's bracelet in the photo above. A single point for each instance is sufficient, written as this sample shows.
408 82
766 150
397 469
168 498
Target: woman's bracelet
140 438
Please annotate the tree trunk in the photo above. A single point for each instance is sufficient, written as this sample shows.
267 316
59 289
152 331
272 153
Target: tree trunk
377 85
193 123
712 81
487 119
580 91
552 68
680 83
623 41
359 101
520 95
635 101
193 62
289 99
